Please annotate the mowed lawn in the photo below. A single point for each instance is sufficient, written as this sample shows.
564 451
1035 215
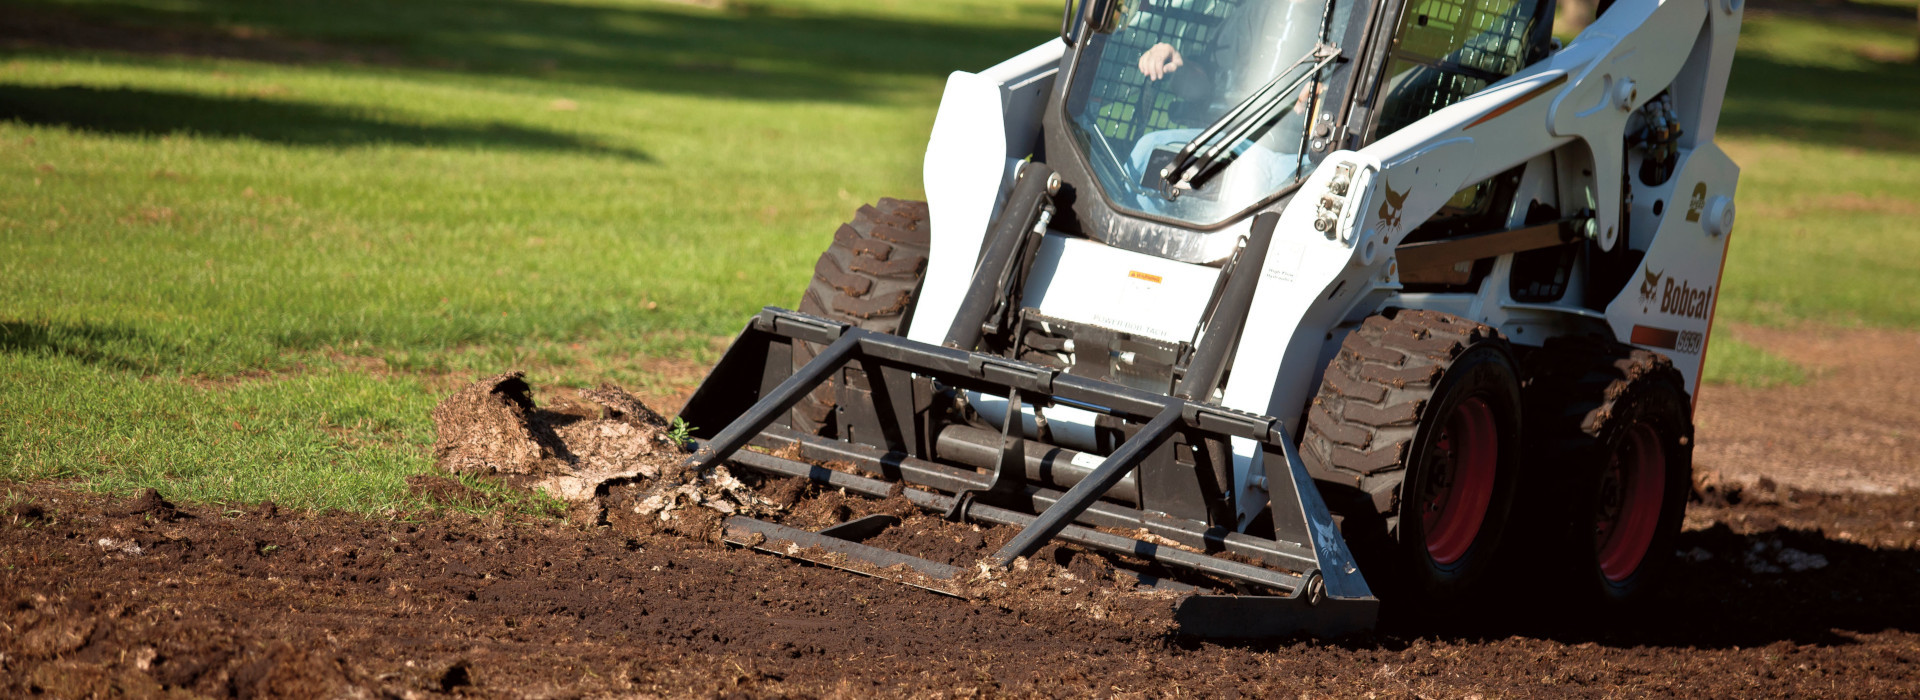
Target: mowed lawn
245 246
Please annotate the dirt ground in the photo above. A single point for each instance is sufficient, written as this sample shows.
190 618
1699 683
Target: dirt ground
1853 426
1782 591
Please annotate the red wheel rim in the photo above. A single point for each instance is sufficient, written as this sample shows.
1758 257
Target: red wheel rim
1460 481
1629 499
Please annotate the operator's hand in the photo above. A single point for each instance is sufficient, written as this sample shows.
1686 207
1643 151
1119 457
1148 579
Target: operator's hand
1159 61
1300 105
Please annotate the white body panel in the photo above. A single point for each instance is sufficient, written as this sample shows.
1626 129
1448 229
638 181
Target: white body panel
987 124
1668 305
1080 280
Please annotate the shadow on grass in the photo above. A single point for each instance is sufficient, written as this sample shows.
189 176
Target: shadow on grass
749 51
1871 107
149 112
88 343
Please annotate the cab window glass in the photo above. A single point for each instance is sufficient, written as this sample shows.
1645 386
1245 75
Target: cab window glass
1445 50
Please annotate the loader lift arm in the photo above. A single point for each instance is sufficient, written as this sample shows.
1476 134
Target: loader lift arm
1311 582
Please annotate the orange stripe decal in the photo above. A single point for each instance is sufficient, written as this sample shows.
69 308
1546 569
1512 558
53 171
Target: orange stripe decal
1510 106
1136 274
1655 337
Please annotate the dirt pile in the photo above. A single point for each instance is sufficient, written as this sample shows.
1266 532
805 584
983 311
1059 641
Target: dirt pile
493 428
624 469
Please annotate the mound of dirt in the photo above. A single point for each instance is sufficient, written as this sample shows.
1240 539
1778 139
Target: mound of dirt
485 429
149 504
494 428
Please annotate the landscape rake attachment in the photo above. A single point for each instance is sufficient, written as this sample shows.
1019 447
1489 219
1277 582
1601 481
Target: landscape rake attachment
1395 226
893 396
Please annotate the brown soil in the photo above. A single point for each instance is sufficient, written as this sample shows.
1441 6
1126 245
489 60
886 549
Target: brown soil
1786 587
1784 593
1854 425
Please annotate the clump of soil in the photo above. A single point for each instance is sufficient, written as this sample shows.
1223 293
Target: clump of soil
445 491
26 513
494 428
485 429
149 504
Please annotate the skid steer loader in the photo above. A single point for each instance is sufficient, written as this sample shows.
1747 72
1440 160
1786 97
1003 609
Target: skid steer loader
1296 299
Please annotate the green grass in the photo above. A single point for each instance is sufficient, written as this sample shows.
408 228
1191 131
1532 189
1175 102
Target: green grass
312 220
1828 140
584 188
1730 361
1827 135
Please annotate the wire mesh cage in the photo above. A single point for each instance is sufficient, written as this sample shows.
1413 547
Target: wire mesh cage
1124 103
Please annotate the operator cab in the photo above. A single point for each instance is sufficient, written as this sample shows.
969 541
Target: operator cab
1185 117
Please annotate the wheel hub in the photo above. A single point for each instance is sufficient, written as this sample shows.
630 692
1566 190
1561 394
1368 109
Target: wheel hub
1629 501
1459 485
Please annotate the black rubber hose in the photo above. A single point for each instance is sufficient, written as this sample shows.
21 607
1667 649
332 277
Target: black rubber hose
1004 239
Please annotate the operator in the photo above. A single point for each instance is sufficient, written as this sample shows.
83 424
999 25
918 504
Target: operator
1258 39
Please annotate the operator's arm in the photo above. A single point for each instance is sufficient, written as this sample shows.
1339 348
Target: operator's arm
1160 61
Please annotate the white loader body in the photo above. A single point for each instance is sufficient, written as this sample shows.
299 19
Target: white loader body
1562 119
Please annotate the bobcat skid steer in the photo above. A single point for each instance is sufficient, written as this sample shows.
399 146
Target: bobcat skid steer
1265 295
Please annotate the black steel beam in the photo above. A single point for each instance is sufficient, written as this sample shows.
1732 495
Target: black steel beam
1297 556
997 274
742 531
1126 546
1230 316
1056 517
777 402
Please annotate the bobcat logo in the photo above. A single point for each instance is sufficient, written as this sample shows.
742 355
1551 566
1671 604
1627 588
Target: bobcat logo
1390 209
1650 289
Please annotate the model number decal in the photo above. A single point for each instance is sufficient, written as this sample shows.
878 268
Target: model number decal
1689 342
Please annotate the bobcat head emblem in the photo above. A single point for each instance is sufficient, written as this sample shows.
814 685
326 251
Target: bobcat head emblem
1650 288
1390 209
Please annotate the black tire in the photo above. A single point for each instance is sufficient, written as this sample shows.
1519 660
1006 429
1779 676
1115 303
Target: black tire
1380 442
1605 409
869 276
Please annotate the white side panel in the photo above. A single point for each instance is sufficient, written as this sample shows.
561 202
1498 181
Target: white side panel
965 164
1639 47
1307 283
1087 282
1668 306
1026 82
985 121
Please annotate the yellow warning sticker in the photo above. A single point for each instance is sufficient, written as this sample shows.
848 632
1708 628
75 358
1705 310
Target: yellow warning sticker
1136 274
